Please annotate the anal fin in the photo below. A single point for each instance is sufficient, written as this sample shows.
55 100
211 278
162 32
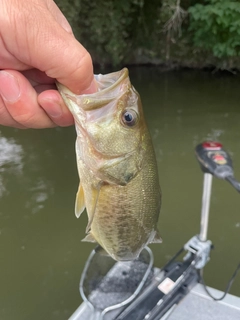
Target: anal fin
157 238
89 238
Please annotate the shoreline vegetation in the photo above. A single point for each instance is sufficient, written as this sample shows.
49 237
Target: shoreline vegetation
171 34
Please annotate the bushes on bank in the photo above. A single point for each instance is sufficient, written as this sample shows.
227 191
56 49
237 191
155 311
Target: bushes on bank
188 32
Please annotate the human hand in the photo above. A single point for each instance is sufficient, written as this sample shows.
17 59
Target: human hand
37 46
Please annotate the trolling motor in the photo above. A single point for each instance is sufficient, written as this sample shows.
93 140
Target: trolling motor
161 291
214 161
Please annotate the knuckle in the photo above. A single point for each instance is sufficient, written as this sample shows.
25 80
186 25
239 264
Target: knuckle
28 115
24 118
6 119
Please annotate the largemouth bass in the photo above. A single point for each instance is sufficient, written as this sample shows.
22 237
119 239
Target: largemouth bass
119 183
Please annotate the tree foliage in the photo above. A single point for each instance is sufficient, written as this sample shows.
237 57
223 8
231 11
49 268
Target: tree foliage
215 27
185 32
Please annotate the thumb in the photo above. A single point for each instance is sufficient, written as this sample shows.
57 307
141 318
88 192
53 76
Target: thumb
43 43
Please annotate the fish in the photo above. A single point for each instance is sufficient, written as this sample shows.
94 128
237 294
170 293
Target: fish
119 183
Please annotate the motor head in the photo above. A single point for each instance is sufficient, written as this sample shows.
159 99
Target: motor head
215 160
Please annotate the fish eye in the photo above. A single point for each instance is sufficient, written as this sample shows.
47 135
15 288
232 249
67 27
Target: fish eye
129 118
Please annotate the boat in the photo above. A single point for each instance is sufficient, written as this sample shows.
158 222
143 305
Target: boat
137 290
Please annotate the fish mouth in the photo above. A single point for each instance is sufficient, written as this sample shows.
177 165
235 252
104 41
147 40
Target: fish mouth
110 87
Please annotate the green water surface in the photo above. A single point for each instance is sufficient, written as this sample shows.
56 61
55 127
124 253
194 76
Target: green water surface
42 255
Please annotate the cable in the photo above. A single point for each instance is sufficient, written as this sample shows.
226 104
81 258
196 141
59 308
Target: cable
230 282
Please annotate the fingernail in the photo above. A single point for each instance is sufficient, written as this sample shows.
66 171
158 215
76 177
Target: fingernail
92 88
9 87
53 109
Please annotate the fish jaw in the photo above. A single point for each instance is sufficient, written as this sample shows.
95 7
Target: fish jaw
109 88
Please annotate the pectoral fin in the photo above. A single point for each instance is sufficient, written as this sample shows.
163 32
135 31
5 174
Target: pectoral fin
92 209
80 203
157 238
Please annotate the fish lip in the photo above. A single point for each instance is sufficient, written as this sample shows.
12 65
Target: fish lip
117 77
104 95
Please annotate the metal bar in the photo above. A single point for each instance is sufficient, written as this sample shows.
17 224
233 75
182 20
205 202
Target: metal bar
207 188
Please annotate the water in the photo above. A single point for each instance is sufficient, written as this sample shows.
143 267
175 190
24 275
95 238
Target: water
42 256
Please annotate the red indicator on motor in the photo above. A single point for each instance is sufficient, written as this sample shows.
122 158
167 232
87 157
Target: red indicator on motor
219 159
210 145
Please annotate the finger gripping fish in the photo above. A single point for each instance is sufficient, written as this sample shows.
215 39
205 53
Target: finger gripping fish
119 183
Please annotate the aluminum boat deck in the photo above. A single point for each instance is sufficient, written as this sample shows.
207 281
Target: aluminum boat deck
197 305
